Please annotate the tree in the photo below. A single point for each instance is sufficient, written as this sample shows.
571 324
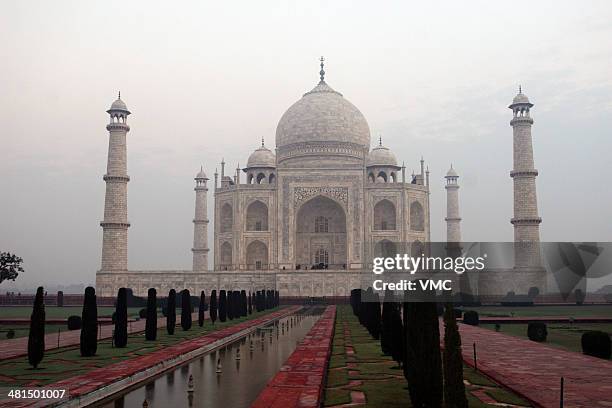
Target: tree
171 312
386 332
151 323
60 298
243 303
422 359
580 296
186 310
454 389
121 319
229 305
10 266
397 330
222 306
201 309
89 324
250 303
36 338
213 306
375 317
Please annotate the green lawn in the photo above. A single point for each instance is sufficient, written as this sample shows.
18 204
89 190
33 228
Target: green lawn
54 312
380 379
67 362
563 335
530 311
23 330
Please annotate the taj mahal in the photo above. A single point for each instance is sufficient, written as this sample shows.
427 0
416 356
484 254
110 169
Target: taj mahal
303 218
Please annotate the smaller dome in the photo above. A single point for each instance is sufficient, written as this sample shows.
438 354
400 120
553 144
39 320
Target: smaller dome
520 98
381 156
451 172
201 174
119 105
262 157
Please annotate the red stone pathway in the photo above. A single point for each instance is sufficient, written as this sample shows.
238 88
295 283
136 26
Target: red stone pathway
19 346
533 370
300 381
100 377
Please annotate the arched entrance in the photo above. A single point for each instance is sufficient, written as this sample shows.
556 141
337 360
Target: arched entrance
320 241
257 255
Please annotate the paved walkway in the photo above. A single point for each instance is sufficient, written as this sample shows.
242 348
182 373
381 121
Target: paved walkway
300 381
545 319
19 346
533 370
96 379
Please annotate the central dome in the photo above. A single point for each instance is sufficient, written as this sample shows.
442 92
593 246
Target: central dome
322 115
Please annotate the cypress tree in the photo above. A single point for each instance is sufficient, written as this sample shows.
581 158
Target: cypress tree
60 298
171 312
397 329
222 306
186 310
36 338
237 308
386 333
243 303
250 303
375 317
454 389
422 360
89 325
121 319
213 306
151 323
201 309
230 304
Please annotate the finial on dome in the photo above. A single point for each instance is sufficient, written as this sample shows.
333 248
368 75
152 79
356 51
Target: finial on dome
262 142
322 72
380 140
119 96
520 89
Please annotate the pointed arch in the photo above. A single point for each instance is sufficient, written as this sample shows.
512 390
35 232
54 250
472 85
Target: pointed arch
385 248
384 216
257 255
227 218
225 260
417 217
257 216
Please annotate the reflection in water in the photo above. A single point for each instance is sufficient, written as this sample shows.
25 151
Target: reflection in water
240 379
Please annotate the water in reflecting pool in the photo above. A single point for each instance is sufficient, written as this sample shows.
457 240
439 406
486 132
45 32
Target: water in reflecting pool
246 366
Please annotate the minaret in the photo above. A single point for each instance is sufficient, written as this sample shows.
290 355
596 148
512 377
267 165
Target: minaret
200 224
526 220
453 220
115 224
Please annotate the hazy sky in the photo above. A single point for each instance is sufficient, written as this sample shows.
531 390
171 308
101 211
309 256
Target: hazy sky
206 80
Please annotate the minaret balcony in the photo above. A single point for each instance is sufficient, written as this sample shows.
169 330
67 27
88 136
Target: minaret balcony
526 221
524 173
118 126
521 120
116 225
113 178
